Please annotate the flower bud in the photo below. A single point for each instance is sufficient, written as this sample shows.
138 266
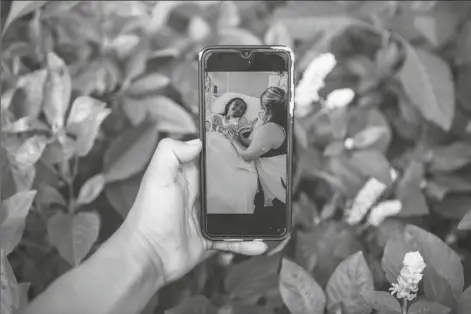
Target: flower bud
339 98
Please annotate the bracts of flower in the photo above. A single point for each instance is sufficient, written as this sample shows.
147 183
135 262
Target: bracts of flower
367 197
409 277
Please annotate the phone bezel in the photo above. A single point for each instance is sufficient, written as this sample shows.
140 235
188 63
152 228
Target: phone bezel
204 53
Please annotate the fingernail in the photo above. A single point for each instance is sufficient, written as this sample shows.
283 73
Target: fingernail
196 141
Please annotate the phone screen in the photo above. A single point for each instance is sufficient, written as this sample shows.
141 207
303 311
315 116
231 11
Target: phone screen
246 119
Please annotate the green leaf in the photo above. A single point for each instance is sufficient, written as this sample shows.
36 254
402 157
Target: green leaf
229 15
372 164
454 206
314 9
91 189
15 209
464 44
237 36
428 81
121 194
464 302
9 285
437 288
451 157
348 283
148 84
465 223
28 96
427 307
278 35
252 278
445 261
441 184
23 294
73 234
369 136
56 8
136 65
382 301
167 114
48 196
84 120
130 152
185 79
195 305
19 9
299 291
409 192
57 92
29 152
334 149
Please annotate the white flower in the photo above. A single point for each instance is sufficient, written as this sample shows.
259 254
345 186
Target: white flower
349 143
384 210
408 280
312 81
366 197
339 98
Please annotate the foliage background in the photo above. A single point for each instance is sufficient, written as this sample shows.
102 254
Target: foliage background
90 87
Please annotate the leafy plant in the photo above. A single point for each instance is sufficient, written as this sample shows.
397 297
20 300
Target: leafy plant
89 88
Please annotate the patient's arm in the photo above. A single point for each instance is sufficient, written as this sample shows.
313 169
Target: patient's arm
265 138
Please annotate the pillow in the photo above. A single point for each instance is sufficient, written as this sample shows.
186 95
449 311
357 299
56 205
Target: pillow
253 104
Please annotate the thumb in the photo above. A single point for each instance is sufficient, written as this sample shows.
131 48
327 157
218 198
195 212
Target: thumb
168 157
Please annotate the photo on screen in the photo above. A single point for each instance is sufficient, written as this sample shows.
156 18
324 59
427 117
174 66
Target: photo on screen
246 141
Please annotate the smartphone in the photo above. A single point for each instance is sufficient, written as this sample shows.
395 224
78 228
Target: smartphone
246 126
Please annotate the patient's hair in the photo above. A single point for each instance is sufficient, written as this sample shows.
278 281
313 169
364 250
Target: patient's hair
233 100
274 100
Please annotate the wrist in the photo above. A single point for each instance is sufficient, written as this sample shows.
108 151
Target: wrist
139 252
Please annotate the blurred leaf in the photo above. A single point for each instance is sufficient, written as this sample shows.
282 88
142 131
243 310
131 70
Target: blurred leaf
229 15
28 96
91 189
57 92
450 157
454 206
23 288
437 288
84 122
351 178
462 83
97 76
148 84
465 223
348 283
409 192
369 136
382 301
19 9
196 305
300 292
426 307
121 194
136 64
464 302
55 152
185 79
252 278
300 134
9 286
15 209
372 164
124 45
168 115
334 149
130 152
278 35
54 8
324 248
464 44
24 124
444 183
305 214
428 81
437 26
237 36
73 234
315 9
47 196
29 152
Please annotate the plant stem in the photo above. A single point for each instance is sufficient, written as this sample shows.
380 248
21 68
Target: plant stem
404 306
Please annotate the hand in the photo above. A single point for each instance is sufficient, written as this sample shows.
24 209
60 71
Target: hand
164 217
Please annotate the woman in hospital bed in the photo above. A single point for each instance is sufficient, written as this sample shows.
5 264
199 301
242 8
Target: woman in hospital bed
231 182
